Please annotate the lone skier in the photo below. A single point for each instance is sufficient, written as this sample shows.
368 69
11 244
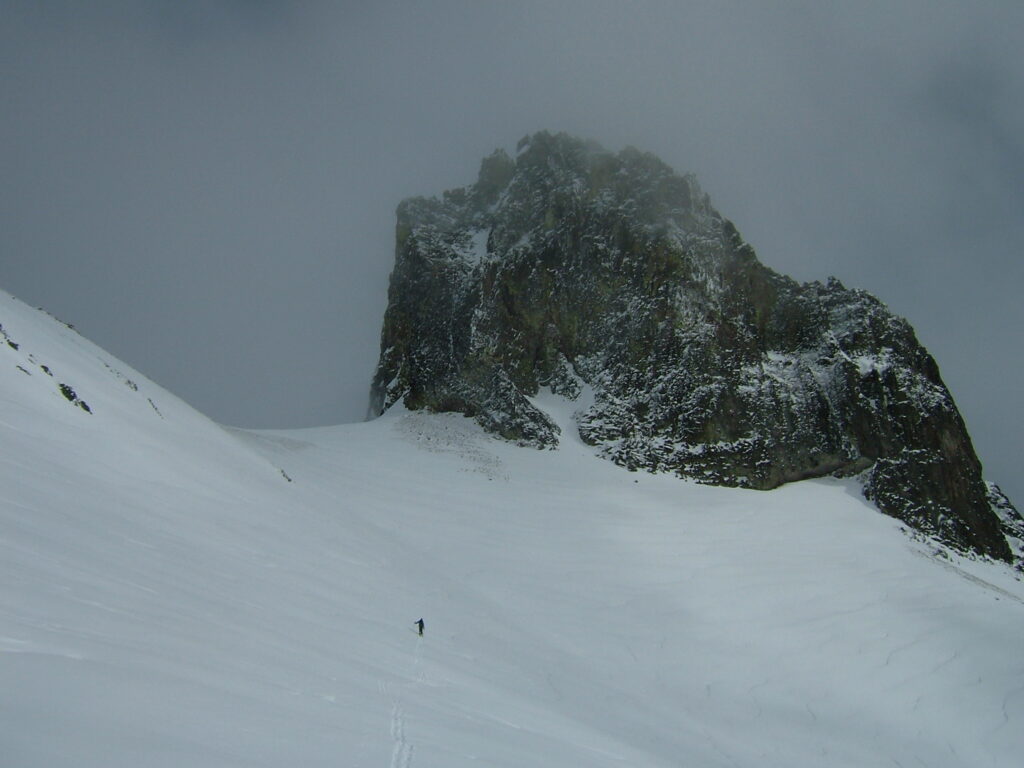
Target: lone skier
419 624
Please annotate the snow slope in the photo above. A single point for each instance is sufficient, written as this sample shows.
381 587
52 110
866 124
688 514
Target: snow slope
174 593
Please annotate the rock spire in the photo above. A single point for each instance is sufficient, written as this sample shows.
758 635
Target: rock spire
575 268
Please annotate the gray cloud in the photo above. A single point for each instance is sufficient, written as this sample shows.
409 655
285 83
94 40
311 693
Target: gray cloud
207 188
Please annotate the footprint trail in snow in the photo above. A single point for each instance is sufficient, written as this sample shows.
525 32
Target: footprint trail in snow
401 754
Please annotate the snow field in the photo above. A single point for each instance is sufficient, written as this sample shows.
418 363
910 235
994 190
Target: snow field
169 599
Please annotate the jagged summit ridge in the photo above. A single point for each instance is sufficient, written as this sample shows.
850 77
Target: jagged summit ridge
572 266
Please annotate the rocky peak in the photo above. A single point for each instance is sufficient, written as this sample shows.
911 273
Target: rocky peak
573 267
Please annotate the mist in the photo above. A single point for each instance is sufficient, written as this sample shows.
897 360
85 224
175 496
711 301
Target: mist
207 189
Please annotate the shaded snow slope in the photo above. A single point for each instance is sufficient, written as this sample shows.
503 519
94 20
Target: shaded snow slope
170 598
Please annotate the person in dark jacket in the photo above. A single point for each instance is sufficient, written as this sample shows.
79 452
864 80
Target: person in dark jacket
419 624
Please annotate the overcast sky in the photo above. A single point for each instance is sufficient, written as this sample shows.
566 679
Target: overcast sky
206 188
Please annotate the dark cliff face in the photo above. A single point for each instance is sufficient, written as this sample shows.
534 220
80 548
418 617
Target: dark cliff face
583 270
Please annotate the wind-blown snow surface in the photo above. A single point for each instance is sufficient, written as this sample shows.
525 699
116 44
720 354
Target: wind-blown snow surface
169 598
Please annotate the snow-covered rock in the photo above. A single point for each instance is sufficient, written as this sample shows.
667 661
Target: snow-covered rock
572 262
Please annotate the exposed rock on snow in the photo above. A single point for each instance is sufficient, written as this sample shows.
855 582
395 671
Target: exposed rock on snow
571 264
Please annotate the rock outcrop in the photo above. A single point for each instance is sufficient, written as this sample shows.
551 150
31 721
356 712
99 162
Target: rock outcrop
580 269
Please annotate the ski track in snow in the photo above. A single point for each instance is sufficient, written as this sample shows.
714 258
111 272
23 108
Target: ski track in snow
402 750
401 755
